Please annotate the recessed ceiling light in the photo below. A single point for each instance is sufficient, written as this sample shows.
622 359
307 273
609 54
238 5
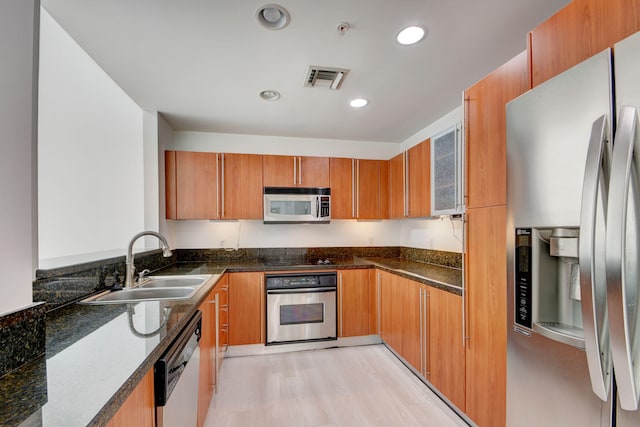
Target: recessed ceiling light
273 16
270 95
410 35
358 102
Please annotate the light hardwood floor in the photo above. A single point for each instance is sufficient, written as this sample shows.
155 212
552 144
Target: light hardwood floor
352 386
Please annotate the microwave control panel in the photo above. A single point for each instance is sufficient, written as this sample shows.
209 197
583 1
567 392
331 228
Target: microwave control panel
324 206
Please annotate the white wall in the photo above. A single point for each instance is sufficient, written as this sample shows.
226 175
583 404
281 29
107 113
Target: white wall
91 179
18 148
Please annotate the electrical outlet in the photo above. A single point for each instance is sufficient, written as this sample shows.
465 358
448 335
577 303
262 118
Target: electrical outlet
222 243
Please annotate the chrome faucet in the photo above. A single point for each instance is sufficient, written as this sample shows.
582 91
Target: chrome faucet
166 252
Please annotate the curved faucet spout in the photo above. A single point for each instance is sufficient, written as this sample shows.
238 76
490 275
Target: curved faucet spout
166 252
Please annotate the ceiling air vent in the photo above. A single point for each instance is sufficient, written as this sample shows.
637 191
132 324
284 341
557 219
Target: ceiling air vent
328 77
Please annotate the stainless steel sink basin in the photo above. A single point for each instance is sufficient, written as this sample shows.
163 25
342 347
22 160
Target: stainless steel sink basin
155 288
174 281
141 294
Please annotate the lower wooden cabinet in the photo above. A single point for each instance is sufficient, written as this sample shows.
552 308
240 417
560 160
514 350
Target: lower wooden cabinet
446 351
356 303
139 408
246 308
222 294
207 374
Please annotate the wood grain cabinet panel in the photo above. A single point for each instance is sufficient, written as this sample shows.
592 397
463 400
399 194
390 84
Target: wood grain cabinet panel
191 180
486 131
354 303
579 31
139 408
397 186
207 373
246 308
419 180
446 353
342 181
486 293
295 171
242 189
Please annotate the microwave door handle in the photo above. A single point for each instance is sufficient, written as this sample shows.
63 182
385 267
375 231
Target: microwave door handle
317 206
625 359
593 291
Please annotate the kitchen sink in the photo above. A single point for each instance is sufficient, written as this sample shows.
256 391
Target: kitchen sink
174 281
153 288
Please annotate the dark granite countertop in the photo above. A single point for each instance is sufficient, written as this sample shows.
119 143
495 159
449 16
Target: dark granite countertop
97 354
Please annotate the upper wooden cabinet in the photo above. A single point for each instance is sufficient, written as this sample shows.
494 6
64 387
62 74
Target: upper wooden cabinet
579 31
295 171
191 185
213 185
486 122
359 189
242 189
410 182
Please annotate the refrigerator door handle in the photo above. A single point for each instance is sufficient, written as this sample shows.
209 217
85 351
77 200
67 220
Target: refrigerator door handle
623 309
593 288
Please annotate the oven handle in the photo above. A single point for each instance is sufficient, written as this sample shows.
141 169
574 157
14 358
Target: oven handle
301 290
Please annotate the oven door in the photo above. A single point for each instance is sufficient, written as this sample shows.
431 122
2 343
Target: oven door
305 314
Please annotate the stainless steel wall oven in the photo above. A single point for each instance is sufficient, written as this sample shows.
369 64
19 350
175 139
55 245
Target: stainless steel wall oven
301 307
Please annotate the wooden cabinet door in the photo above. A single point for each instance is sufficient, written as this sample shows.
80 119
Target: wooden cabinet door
139 409
246 308
446 353
207 373
354 304
486 293
279 171
191 185
313 172
242 186
389 309
397 187
367 189
384 191
342 188
419 179
579 31
409 315
222 293
486 127
295 171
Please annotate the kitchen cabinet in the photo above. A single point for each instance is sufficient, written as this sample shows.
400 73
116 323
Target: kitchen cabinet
486 132
446 172
445 348
400 316
222 297
246 308
486 314
191 185
208 371
578 31
359 189
410 182
139 408
356 297
213 185
295 171
241 186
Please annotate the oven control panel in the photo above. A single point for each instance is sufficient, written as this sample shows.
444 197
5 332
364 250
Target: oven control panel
300 280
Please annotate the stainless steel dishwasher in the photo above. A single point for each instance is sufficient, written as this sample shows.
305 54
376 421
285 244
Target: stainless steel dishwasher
176 378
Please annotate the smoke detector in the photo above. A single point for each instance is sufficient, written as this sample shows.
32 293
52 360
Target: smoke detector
328 77
273 16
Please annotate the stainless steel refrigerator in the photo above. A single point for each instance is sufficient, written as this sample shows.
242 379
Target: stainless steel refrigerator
573 162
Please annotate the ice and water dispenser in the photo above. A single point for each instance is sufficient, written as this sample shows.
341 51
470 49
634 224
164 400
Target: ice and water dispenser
547 294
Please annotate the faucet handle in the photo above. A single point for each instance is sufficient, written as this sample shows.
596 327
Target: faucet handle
142 274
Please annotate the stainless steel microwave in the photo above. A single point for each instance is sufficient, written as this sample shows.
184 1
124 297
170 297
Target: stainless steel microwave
288 205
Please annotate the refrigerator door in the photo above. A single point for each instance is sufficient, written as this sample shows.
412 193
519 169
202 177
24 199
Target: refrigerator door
549 130
623 230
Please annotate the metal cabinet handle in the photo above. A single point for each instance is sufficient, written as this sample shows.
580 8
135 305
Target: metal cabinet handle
353 188
593 289
222 184
340 285
624 184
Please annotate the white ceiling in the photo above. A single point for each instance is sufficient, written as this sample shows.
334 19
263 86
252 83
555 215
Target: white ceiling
202 63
